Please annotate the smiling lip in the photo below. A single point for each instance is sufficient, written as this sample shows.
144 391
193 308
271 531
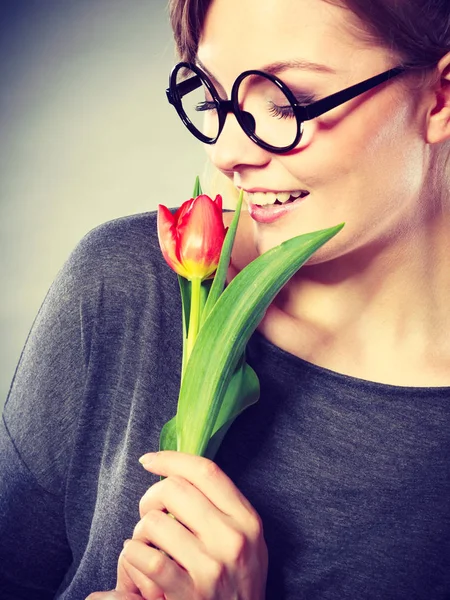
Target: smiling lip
273 212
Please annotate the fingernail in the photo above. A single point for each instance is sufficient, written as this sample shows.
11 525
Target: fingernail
126 542
147 459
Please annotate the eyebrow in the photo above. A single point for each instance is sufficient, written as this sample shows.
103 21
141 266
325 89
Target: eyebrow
304 65
280 66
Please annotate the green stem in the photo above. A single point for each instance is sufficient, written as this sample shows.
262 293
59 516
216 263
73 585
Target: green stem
194 317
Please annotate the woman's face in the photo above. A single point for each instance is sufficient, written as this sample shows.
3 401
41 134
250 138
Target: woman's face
363 162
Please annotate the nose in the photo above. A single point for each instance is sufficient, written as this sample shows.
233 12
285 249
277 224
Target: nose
234 149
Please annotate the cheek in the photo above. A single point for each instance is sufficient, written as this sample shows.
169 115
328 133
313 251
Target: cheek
366 146
391 153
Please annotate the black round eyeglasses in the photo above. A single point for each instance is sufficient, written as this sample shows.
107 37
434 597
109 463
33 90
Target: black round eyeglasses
269 112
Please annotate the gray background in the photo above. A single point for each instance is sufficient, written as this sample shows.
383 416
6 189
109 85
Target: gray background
86 135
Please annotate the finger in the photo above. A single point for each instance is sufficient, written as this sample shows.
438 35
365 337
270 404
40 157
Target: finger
160 569
216 534
149 590
128 583
113 595
205 475
124 582
189 506
169 535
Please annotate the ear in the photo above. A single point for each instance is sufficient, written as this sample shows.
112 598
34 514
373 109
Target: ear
438 129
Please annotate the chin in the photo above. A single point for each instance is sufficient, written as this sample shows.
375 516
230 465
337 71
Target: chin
267 238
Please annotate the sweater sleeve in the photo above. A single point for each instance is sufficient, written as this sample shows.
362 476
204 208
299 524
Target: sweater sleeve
49 391
34 554
99 347
38 425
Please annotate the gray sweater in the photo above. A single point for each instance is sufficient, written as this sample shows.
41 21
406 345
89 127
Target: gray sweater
350 477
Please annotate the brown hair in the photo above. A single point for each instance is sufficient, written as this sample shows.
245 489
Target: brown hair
187 18
417 30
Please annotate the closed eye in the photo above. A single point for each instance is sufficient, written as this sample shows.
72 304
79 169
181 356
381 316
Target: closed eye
281 112
286 111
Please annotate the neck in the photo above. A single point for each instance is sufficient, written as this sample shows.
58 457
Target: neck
375 310
401 279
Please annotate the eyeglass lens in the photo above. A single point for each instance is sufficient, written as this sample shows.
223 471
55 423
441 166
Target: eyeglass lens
197 103
274 120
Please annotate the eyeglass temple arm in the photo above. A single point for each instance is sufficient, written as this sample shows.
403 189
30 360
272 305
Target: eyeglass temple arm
184 87
315 109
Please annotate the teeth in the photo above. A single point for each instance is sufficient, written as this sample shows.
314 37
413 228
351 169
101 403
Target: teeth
265 198
283 196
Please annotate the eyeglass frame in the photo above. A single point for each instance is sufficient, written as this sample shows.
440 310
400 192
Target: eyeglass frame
302 112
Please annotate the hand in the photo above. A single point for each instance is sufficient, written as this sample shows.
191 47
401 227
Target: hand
212 550
113 595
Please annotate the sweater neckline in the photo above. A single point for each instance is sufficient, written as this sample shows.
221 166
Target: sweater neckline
295 363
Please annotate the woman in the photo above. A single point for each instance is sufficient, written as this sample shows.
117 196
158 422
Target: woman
336 484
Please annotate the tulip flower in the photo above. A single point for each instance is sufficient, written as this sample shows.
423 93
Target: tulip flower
191 239
216 382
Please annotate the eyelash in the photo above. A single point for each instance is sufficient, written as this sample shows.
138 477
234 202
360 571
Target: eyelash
286 112
283 112
202 106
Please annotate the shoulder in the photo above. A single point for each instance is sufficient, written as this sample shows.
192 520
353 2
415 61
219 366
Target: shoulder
130 242
117 259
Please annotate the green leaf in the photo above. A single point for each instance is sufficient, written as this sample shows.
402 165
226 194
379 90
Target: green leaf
204 293
224 261
185 285
197 188
185 289
226 331
168 435
242 392
186 294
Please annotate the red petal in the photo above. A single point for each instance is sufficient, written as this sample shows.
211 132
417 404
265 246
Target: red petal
201 234
184 208
168 239
218 203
